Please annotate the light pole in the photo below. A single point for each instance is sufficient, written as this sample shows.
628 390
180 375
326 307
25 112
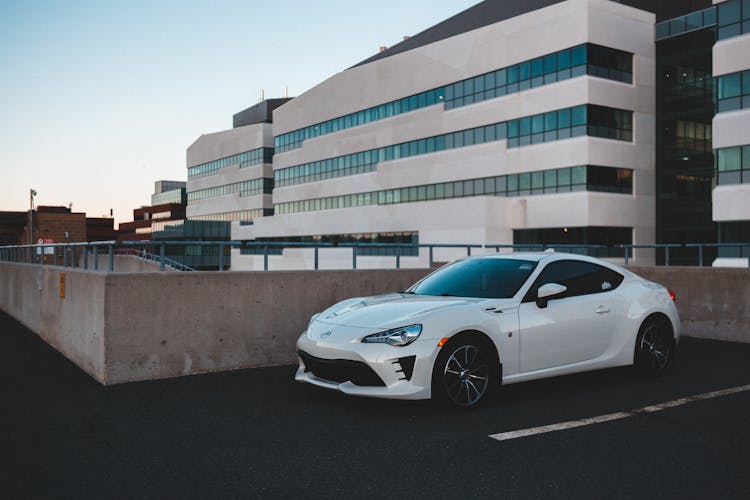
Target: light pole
32 193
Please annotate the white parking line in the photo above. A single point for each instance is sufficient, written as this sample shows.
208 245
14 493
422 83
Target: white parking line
504 436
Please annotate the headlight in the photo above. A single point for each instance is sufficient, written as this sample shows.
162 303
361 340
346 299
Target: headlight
402 336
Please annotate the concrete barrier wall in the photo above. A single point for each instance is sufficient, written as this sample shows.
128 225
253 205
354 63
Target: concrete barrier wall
127 327
73 324
164 325
714 303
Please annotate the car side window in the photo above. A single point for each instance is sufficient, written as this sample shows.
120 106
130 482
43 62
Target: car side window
581 278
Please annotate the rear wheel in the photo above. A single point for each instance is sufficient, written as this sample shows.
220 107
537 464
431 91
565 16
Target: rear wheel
462 373
654 347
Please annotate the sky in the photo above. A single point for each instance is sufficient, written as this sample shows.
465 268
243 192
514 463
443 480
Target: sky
99 99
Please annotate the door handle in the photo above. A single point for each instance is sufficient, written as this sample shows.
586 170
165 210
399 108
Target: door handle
602 310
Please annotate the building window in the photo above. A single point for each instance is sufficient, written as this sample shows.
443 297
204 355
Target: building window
733 165
561 180
733 91
407 238
261 185
684 24
246 216
587 119
733 18
242 160
596 121
606 238
594 60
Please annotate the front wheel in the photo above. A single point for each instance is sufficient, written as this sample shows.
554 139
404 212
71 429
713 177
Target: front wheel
461 375
654 347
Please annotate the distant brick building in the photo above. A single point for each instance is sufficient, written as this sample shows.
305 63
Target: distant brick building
12 227
57 224
54 225
100 229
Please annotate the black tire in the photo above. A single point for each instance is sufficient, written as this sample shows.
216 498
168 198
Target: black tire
654 347
463 373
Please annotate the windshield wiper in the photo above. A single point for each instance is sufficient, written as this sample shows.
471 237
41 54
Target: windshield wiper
448 295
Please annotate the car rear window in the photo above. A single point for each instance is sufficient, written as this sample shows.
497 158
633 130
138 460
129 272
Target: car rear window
484 278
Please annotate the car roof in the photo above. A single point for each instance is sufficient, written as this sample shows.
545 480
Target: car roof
532 256
550 256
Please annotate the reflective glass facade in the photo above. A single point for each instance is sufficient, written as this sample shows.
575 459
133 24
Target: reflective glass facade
590 59
173 196
690 22
262 185
735 232
246 159
592 120
610 236
596 121
238 216
733 165
733 18
349 239
560 180
684 154
733 91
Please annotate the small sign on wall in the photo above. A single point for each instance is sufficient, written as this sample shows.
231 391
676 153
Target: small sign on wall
47 250
62 285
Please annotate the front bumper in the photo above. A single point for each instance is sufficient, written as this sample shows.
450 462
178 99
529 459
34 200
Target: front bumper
375 370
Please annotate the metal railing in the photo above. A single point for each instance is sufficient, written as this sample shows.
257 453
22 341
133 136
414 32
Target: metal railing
67 254
150 257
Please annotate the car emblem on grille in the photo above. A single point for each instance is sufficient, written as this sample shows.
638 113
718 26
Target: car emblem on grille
326 334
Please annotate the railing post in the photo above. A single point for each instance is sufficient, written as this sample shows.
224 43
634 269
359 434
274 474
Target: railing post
468 251
86 257
65 255
398 259
316 258
265 257
431 262
221 257
161 257
700 256
96 258
666 256
111 258
627 254
354 256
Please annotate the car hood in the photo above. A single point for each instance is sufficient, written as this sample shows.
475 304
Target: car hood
390 310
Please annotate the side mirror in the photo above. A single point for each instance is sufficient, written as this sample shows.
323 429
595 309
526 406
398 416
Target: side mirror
547 291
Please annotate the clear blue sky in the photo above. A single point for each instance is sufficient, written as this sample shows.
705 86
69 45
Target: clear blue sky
98 99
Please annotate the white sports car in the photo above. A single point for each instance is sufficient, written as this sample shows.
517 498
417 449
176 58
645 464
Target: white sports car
490 319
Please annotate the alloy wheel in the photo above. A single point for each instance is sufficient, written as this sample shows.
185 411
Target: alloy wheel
466 375
655 348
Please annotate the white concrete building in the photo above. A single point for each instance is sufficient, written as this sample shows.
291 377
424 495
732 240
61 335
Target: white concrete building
473 76
731 125
230 177
519 122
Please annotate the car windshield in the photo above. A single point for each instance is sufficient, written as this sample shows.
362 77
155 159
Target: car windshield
484 278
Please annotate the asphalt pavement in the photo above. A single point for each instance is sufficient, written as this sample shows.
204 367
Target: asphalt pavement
258 434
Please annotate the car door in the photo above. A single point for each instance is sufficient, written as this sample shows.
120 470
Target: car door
576 325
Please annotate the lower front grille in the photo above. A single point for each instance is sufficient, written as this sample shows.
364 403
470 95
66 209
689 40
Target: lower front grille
341 370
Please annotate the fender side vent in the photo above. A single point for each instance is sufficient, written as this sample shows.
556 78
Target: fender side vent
407 366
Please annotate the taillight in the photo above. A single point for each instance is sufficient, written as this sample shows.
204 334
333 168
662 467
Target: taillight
671 295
